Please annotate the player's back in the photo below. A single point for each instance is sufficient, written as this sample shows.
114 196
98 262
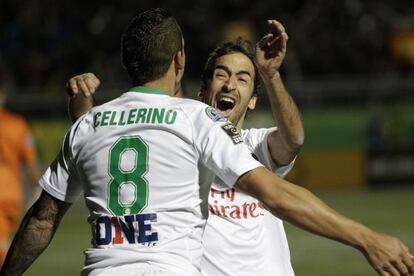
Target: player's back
133 141
136 160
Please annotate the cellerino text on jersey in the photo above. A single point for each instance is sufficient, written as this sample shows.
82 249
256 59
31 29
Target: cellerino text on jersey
135 116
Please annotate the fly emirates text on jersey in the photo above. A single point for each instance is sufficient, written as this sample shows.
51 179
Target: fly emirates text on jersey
232 205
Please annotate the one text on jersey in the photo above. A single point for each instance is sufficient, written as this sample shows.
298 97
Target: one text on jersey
135 116
130 229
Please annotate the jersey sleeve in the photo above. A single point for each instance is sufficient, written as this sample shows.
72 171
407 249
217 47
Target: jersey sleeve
256 139
61 179
220 146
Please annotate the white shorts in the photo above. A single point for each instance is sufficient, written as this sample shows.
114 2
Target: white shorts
135 270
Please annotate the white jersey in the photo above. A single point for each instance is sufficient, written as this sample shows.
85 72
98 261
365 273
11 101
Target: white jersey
135 159
241 238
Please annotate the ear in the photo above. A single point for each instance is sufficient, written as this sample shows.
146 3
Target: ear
252 102
179 60
179 65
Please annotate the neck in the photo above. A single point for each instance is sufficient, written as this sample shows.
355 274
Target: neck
166 82
161 85
239 124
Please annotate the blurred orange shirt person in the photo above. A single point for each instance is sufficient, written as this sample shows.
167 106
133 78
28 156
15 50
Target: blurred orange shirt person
16 149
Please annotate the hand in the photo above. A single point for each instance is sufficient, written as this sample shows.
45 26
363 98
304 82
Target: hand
271 49
389 256
86 83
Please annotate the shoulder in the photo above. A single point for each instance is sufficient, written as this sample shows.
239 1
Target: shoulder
196 110
188 105
257 135
81 129
114 102
201 111
89 117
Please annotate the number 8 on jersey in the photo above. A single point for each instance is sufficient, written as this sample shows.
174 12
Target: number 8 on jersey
127 175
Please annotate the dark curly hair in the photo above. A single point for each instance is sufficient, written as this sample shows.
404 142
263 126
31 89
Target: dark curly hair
149 44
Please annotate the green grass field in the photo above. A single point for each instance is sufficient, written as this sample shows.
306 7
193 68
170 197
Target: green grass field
388 210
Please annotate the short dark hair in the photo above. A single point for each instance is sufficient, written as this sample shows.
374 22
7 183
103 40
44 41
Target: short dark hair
239 45
149 44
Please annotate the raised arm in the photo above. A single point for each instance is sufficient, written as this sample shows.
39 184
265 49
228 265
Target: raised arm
34 235
80 91
285 142
300 207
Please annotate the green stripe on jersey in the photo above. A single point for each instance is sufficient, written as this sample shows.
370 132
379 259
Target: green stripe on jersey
148 90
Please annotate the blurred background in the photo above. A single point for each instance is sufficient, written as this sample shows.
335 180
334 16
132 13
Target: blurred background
349 67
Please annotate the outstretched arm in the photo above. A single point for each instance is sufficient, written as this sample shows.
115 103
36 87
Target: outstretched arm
34 235
300 207
81 89
284 143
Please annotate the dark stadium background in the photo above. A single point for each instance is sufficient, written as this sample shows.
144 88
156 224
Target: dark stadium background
350 68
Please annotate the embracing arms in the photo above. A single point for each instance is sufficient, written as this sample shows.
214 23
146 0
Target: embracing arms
80 91
284 143
300 207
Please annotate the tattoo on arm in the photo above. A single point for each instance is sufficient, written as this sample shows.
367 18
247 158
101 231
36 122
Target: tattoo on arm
35 233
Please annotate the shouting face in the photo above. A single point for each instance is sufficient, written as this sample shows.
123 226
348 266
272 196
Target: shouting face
230 90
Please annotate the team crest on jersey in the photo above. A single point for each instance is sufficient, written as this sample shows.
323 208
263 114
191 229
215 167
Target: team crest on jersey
233 133
214 115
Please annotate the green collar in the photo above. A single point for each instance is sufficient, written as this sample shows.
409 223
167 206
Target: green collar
148 90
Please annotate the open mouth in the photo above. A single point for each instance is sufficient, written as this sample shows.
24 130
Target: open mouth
225 105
